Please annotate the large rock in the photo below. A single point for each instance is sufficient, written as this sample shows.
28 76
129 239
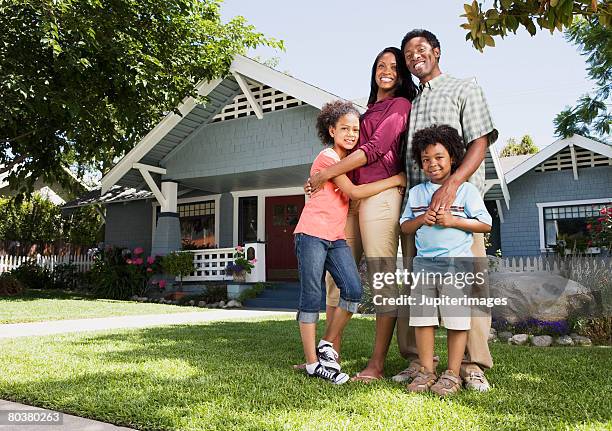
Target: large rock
542 340
504 336
564 340
538 295
519 339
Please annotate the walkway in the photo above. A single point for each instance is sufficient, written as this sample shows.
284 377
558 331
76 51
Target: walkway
16 330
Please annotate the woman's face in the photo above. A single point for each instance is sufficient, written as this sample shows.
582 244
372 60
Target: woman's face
386 73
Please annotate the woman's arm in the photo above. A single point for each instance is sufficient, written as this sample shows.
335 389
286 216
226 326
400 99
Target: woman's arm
349 163
366 190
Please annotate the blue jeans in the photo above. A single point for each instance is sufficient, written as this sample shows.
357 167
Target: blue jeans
315 256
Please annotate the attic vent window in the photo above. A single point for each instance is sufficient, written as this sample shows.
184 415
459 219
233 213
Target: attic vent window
584 159
268 98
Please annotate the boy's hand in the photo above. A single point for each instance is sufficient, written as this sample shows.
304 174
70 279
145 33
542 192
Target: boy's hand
429 217
445 218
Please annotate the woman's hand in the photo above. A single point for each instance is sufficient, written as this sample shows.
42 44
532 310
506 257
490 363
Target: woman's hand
403 180
307 187
317 180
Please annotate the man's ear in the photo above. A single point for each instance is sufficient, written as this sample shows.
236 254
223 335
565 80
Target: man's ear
436 52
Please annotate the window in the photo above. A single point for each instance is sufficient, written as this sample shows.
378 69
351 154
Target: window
197 225
569 223
247 219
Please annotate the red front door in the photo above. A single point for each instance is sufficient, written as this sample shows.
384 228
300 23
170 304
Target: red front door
282 215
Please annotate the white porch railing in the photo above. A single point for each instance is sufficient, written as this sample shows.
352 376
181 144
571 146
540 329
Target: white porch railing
210 264
82 262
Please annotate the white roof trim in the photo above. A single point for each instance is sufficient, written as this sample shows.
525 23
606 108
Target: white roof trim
554 148
243 66
500 174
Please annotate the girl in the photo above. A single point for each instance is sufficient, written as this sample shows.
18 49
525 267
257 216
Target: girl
442 239
372 226
320 242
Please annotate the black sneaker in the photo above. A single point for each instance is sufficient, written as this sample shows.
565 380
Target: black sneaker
328 357
330 375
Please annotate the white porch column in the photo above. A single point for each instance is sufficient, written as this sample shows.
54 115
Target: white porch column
167 237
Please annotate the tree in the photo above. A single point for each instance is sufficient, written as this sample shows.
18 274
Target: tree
526 146
508 15
591 116
83 80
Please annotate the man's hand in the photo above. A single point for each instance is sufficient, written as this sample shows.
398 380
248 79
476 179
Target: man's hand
444 196
445 218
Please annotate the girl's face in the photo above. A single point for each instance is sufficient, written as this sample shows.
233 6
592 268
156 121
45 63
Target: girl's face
345 132
386 73
437 163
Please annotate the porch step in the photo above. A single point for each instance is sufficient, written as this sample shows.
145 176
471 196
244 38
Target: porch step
281 295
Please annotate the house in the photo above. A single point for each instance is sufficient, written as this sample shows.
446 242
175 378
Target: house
554 195
51 191
226 173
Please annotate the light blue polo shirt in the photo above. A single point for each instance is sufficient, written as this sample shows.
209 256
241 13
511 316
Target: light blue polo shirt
438 241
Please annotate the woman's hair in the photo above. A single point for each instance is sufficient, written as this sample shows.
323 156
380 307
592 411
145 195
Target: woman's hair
445 135
328 117
405 87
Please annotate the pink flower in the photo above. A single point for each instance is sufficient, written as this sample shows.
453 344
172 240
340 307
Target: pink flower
138 261
162 284
150 260
149 269
128 261
239 249
254 261
138 250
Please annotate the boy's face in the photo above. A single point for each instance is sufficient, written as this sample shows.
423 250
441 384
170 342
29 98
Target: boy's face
436 162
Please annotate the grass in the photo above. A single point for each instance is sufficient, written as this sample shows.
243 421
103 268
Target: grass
38 306
236 375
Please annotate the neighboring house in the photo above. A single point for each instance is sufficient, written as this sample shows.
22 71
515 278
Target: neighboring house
53 192
554 194
228 173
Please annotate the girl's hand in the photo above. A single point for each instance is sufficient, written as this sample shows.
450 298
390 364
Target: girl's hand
445 218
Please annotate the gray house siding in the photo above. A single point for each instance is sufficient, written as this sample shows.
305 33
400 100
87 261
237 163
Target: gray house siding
129 224
280 139
520 232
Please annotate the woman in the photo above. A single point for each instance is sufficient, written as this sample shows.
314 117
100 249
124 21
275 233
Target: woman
372 226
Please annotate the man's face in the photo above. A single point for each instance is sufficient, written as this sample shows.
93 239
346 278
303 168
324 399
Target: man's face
421 58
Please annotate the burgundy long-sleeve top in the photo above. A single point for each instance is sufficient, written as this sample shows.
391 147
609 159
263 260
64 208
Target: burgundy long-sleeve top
381 129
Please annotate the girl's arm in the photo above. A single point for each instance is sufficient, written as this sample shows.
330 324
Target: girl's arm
366 190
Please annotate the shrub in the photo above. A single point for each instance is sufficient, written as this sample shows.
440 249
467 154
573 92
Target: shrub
10 285
34 276
179 264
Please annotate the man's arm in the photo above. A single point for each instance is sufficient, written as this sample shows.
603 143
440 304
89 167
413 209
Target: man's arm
445 195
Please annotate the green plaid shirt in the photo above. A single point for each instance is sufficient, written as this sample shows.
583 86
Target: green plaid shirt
459 103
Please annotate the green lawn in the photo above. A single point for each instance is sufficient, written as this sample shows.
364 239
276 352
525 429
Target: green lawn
37 306
237 375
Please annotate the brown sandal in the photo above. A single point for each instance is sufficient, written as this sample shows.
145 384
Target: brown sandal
423 381
449 383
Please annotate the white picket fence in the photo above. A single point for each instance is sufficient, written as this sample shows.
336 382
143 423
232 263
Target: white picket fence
8 263
538 263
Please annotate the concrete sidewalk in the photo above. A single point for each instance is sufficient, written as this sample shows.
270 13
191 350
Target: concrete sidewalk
70 423
16 330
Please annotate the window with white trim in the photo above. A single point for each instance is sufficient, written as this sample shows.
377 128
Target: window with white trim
197 221
569 223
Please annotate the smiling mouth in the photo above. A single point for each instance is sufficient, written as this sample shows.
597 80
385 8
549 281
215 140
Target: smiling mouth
418 64
386 79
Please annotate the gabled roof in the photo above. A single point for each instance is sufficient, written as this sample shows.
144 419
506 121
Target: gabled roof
168 135
510 162
547 152
115 194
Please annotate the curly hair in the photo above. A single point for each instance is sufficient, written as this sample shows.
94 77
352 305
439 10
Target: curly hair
445 135
328 117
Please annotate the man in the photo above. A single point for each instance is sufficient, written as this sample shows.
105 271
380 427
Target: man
461 104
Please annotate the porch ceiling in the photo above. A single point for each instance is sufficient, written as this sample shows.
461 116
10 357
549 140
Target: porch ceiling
293 176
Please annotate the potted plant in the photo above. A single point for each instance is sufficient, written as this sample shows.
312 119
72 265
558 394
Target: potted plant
241 266
178 264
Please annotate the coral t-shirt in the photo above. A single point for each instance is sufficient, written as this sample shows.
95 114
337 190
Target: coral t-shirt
324 214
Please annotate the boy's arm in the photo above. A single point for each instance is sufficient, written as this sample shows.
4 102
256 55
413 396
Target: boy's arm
412 225
446 219
366 190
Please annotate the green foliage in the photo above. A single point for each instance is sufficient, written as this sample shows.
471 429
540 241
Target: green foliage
179 264
84 226
34 276
591 116
526 146
252 292
34 220
121 273
10 285
508 15
84 80
240 264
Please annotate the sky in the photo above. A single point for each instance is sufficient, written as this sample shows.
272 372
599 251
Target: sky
332 44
